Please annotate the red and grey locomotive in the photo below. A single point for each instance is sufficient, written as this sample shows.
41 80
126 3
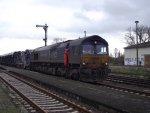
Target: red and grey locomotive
84 58
81 59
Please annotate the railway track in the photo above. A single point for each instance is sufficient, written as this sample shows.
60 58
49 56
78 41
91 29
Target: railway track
128 84
129 80
39 99
102 98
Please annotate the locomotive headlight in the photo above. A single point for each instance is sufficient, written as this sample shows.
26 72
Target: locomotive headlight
83 63
106 63
95 42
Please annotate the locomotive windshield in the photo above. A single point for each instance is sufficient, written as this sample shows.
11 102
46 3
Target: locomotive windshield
88 49
101 49
94 49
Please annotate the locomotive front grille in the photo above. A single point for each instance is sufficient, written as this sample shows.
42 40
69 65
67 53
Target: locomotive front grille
94 61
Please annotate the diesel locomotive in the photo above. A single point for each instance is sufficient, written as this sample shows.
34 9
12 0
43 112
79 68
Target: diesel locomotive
84 59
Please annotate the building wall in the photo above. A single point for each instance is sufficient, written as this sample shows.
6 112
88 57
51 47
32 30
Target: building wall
130 56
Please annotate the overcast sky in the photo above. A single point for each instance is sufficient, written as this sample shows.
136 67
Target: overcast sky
68 19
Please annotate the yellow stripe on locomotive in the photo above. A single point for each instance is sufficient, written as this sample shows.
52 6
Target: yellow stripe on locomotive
94 61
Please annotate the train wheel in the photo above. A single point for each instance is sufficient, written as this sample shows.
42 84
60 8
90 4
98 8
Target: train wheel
75 76
66 74
58 73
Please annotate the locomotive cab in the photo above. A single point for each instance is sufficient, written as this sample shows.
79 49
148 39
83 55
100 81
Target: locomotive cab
94 58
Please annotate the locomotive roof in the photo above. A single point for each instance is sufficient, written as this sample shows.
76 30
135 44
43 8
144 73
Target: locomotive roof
75 42
93 37
10 54
46 47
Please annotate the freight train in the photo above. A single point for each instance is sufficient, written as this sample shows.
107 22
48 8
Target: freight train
20 59
84 59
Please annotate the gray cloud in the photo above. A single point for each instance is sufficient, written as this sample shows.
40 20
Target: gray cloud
119 15
4 29
69 18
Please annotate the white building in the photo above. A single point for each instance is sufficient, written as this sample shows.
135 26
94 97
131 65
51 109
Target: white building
130 54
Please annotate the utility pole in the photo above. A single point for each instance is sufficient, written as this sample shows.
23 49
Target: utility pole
85 33
136 22
45 27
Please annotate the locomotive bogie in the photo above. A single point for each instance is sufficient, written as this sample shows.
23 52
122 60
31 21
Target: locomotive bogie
93 75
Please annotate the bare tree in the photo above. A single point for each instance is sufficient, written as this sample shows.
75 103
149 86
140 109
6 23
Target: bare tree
143 33
148 33
129 37
116 52
57 40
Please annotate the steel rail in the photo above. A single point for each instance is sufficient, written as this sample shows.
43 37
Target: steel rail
129 80
35 106
73 105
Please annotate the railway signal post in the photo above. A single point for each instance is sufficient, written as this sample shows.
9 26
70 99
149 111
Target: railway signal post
45 27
